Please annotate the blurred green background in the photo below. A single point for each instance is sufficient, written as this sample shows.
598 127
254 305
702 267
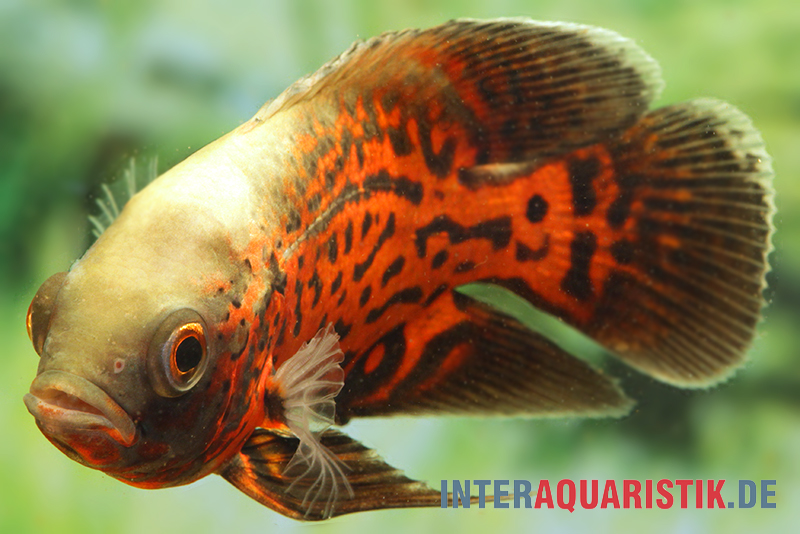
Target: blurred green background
85 85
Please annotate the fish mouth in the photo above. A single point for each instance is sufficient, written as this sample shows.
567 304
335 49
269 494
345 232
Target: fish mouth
63 402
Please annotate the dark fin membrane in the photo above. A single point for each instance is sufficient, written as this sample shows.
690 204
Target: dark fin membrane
525 89
504 369
696 197
260 471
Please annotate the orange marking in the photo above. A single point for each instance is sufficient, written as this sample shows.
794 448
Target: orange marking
669 241
451 363
374 359
212 285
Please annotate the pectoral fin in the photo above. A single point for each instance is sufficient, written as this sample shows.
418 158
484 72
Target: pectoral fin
260 471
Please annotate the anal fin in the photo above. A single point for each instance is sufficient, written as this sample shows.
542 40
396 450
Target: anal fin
261 471
474 360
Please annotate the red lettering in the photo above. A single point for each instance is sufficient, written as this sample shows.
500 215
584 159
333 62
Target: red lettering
666 502
648 494
698 494
714 495
630 490
544 495
610 495
566 503
595 497
684 484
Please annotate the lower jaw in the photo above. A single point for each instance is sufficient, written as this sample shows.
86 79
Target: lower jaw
91 448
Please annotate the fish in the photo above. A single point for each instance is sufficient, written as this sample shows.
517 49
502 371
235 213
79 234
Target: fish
303 270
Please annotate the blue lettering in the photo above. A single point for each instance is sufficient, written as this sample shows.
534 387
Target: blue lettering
459 494
499 493
444 494
482 491
520 492
752 494
766 493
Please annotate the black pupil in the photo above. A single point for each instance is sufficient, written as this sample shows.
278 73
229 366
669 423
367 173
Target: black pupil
188 354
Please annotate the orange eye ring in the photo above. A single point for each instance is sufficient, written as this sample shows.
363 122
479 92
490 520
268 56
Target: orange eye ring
186 351
40 312
28 321
178 353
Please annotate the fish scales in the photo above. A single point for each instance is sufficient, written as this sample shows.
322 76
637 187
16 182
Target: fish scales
320 283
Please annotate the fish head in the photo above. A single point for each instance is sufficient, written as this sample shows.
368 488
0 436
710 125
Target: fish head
141 374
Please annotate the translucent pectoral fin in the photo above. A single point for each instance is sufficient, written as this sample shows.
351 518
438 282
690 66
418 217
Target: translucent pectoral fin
308 383
263 470
312 472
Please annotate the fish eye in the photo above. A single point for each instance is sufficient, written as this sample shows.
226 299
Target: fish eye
177 357
40 311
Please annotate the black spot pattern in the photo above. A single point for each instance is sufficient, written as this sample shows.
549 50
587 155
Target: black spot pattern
316 284
537 209
409 295
582 173
333 248
620 209
399 185
439 259
498 231
348 237
366 224
401 143
622 251
337 283
281 334
342 328
577 282
365 295
388 231
435 294
525 253
293 222
392 270
435 352
464 267
298 311
314 202
359 382
438 164
330 179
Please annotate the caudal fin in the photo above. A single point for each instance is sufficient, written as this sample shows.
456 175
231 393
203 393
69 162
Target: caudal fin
695 199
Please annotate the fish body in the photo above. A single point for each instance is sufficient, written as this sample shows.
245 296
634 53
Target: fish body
301 270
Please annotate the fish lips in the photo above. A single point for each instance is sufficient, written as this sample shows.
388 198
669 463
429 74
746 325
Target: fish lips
66 405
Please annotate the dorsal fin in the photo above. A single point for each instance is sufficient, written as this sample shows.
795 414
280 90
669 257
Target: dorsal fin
113 197
530 88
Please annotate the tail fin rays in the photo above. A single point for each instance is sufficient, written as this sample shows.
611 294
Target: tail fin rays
701 208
